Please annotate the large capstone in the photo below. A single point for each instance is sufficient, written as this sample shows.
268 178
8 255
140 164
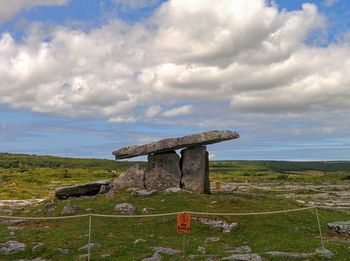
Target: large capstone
170 144
195 169
163 171
83 189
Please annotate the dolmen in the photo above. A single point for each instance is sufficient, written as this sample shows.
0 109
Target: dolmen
166 169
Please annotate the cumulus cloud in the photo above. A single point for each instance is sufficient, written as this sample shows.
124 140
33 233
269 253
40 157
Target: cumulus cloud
11 7
182 110
234 56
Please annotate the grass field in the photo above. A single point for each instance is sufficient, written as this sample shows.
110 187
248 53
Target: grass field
291 232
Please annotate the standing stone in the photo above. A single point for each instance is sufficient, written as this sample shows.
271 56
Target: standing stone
195 169
163 171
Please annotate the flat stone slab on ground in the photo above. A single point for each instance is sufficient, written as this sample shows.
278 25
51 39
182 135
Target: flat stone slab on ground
341 227
11 247
204 138
243 257
83 189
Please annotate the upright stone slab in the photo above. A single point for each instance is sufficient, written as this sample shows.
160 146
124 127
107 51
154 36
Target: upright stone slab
195 169
163 171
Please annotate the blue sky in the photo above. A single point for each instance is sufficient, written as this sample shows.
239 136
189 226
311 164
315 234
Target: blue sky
83 78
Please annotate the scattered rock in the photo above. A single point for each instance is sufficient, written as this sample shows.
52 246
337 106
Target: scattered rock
195 170
69 210
323 252
243 257
11 247
289 255
84 189
340 227
163 171
125 208
143 193
208 137
64 251
37 246
12 221
204 257
139 240
212 239
134 177
92 245
155 257
172 190
147 210
201 249
165 250
105 255
240 250
221 224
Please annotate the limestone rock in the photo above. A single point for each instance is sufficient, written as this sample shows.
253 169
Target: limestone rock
323 252
195 170
134 177
155 257
220 224
289 255
83 189
172 190
163 171
340 227
69 210
125 208
208 137
143 193
240 250
11 247
243 257
166 250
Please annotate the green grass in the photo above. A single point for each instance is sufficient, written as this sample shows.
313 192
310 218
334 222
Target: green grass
292 232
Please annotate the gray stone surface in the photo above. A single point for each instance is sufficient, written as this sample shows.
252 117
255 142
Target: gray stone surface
172 190
220 224
289 255
125 209
243 257
163 171
92 245
195 170
341 227
134 177
143 193
204 138
69 210
83 189
324 252
166 250
11 247
240 250
155 257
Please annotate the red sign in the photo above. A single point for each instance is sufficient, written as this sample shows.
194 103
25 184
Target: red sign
183 223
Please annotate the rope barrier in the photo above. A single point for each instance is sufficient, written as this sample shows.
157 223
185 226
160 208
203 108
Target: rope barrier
162 214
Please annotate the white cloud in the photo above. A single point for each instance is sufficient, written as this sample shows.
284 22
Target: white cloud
9 8
226 58
153 111
330 3
182 110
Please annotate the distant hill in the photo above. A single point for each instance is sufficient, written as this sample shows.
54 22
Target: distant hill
8 160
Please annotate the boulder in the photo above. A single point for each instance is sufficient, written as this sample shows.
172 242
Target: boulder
125 208
340 227
134 177
163 171
69 210
220 224
195 170
83 189
204 138
243 257
11 247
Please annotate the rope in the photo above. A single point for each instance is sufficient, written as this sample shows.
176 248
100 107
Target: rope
162 214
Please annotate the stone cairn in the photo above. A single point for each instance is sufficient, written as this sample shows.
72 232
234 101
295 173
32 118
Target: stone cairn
165 169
